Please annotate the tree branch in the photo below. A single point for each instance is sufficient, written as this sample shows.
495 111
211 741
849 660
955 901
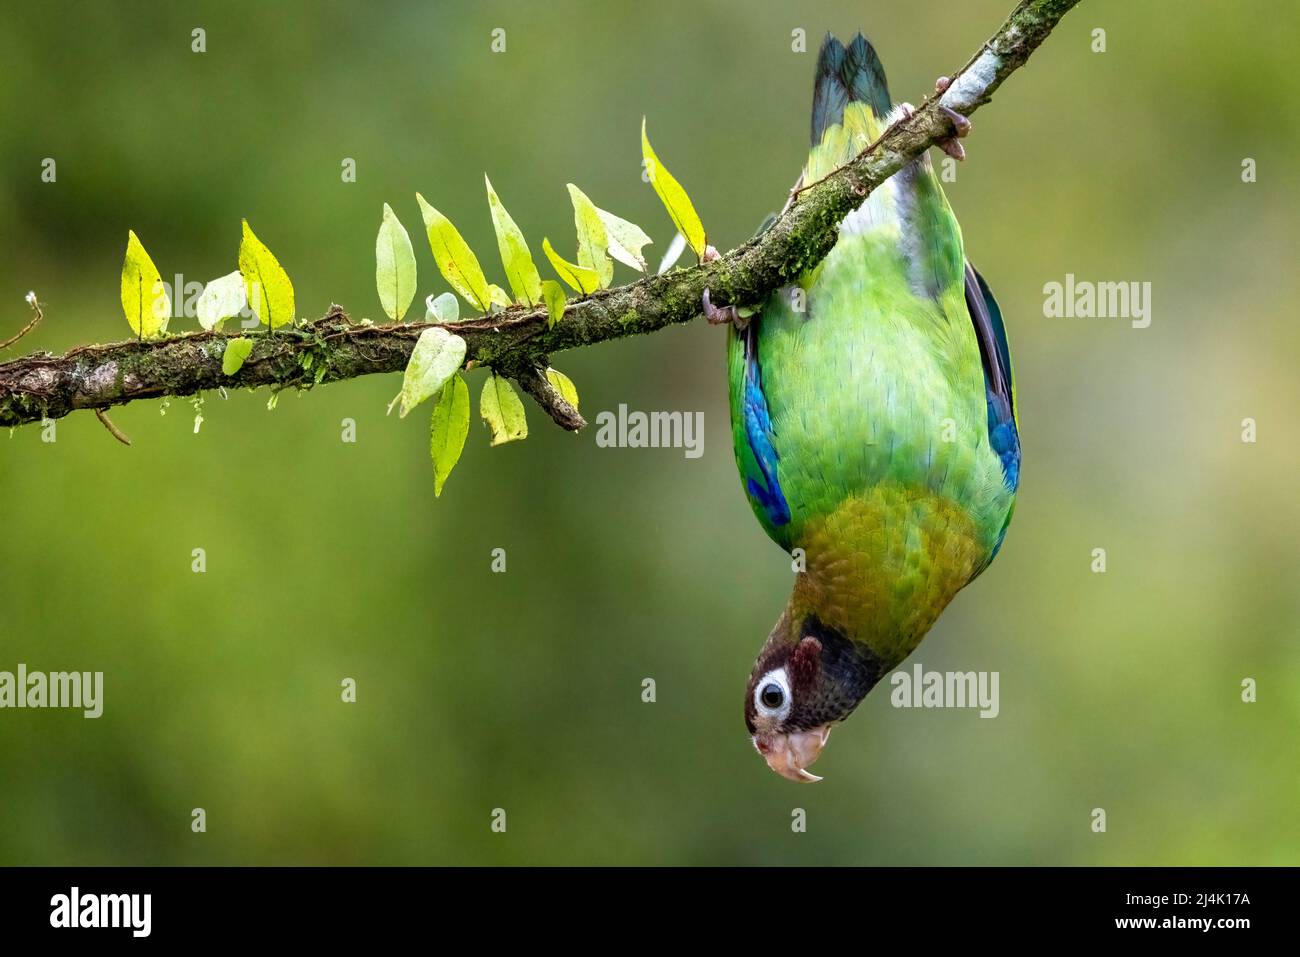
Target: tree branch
534 382
518 340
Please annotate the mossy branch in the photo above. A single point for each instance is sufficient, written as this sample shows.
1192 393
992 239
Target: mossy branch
518 341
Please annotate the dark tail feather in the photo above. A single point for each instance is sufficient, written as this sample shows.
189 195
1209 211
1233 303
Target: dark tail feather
847 75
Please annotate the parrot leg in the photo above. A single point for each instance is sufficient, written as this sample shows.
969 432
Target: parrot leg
720 315
961 125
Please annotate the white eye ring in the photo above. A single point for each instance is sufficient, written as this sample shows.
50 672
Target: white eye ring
778 677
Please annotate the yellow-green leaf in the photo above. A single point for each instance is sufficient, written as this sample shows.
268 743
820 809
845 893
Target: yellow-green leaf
436 357
582 279
553 293
625 240
563 385
499 297
501 409
592 238
394 266
448 430
270 293
237 350
679 206
145 300
521 271
456 261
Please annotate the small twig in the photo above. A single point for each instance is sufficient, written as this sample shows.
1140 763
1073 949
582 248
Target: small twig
113 430
534 382
36 308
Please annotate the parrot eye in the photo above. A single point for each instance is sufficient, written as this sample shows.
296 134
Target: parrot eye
772 695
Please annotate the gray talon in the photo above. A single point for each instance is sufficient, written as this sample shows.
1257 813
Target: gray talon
959 122
953 149
961 126
720 315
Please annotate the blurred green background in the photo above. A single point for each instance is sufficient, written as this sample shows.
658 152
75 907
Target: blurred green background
521 690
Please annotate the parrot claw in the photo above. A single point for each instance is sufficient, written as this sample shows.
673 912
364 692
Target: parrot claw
960 124
961 128
720 315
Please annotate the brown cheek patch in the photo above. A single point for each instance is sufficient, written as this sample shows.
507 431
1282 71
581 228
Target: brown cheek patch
805 663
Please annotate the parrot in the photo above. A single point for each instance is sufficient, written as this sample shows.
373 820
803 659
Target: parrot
873 414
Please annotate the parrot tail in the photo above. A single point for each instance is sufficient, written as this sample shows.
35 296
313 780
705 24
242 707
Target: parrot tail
852 74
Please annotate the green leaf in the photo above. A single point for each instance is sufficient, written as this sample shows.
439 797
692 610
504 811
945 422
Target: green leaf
501 409
521 271
237 350
553 293
445 308
456 261
563 385
679 206
582 279
270 293
592 238
436 357
220 300
449 428
394 266
145 299
625 240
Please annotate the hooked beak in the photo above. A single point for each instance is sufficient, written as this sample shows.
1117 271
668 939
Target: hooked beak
789 755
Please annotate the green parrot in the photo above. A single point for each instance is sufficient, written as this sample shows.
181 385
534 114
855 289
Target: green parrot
873 417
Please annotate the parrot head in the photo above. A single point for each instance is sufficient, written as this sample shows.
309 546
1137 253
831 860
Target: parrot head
807 677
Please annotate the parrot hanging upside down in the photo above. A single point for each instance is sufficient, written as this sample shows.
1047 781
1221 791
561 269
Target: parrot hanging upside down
873 415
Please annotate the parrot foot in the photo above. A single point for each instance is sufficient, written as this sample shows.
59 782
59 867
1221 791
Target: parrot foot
721 315
960 124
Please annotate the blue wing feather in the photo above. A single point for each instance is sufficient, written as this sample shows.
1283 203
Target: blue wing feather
995 356
764 488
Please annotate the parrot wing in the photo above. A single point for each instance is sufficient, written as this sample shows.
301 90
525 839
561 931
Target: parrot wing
756 453
999 384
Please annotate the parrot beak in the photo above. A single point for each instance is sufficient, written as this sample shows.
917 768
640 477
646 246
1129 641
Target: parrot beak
790 754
